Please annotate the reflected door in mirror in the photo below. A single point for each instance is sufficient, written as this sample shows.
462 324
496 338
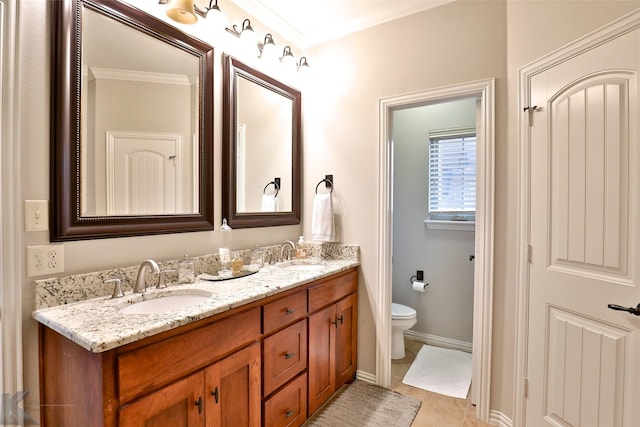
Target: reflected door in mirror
133 83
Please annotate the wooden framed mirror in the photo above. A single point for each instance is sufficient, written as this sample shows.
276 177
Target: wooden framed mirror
132 124
261 149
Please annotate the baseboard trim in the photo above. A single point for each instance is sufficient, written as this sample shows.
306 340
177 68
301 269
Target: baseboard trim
438 341
366 377
499 419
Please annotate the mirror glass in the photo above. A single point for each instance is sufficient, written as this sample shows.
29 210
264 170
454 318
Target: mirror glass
262 144
264 149
132 124
139 112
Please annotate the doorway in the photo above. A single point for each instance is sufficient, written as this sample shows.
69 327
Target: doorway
483 272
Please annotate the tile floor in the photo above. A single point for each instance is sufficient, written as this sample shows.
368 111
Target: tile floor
437 410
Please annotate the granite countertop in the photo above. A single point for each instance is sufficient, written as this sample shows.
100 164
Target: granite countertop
98 325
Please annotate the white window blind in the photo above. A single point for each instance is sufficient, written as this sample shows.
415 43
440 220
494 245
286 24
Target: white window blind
452 176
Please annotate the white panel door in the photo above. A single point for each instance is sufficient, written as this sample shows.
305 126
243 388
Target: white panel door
583 363
141 173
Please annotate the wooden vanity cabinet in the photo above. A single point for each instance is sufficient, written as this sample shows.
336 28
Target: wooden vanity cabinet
332 337
271 362
169 379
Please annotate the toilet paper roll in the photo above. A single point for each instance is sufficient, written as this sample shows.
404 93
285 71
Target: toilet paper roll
418 286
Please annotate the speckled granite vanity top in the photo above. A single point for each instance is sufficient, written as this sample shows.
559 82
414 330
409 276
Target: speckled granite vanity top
98 325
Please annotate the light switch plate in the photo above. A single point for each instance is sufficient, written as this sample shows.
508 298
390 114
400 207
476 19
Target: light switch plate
45 259
36 215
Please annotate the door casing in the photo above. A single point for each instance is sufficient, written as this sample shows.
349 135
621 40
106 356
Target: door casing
484 231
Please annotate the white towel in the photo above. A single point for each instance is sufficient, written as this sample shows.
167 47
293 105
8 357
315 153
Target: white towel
322 225
269 203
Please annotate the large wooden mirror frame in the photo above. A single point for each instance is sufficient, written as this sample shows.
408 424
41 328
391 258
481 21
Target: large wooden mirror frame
256 81
67 221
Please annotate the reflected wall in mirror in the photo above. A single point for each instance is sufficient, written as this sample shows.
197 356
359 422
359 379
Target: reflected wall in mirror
133 124
261 146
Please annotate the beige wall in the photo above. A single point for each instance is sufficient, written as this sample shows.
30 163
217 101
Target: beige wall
457 42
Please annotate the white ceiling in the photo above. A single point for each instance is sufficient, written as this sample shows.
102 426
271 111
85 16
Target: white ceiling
309 22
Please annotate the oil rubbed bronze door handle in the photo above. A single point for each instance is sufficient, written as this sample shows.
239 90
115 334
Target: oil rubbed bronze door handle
214 393
199 404
633 310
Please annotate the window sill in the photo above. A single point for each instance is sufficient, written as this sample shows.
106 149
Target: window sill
450 225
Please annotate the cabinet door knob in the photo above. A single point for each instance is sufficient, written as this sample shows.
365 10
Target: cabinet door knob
288 356
290 311
199 404
214 393
289 413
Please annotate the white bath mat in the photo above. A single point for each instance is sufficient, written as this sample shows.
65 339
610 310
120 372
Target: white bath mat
441 370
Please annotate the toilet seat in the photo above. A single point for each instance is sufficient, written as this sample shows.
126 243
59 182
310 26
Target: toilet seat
399 311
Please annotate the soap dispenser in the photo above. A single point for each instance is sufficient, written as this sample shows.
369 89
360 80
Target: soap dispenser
186 270
224 252
301 252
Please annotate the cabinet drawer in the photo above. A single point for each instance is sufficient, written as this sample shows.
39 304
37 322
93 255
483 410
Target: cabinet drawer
150 367
288 407
285 356
284 311
332 290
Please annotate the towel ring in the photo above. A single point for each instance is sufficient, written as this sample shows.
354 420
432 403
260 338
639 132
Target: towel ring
275 185
327 181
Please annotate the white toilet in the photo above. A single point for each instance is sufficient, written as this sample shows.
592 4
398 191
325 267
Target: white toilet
402 318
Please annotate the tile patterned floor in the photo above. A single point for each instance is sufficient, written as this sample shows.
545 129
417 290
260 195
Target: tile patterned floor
437 410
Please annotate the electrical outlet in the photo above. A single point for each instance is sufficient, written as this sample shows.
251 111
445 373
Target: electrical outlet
45 259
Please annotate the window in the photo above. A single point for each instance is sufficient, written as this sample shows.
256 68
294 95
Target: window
452 176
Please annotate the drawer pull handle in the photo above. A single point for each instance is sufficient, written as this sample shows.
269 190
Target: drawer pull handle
289 413
199 404
290 311
288 356
214 393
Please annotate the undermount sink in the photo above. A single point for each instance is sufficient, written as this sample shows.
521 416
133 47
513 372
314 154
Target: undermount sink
164 303
303 267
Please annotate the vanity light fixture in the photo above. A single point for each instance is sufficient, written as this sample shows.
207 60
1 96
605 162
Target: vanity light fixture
185 11
247 36
269 51
287 57
303 65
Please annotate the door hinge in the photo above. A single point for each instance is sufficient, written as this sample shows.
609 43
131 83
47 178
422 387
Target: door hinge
525 387
530 253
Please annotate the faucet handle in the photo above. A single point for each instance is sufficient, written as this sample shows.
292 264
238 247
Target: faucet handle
117 288
160 284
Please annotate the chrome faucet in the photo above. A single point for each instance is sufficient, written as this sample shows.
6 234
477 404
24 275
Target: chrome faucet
292 247
140 283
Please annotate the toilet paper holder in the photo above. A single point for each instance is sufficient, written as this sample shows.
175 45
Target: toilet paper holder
418 277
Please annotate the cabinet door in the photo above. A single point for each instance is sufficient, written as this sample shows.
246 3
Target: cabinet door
178 405
346 339
232 390
321 357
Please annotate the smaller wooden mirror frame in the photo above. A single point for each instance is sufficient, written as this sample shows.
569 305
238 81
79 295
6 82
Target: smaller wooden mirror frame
232 70
66 220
